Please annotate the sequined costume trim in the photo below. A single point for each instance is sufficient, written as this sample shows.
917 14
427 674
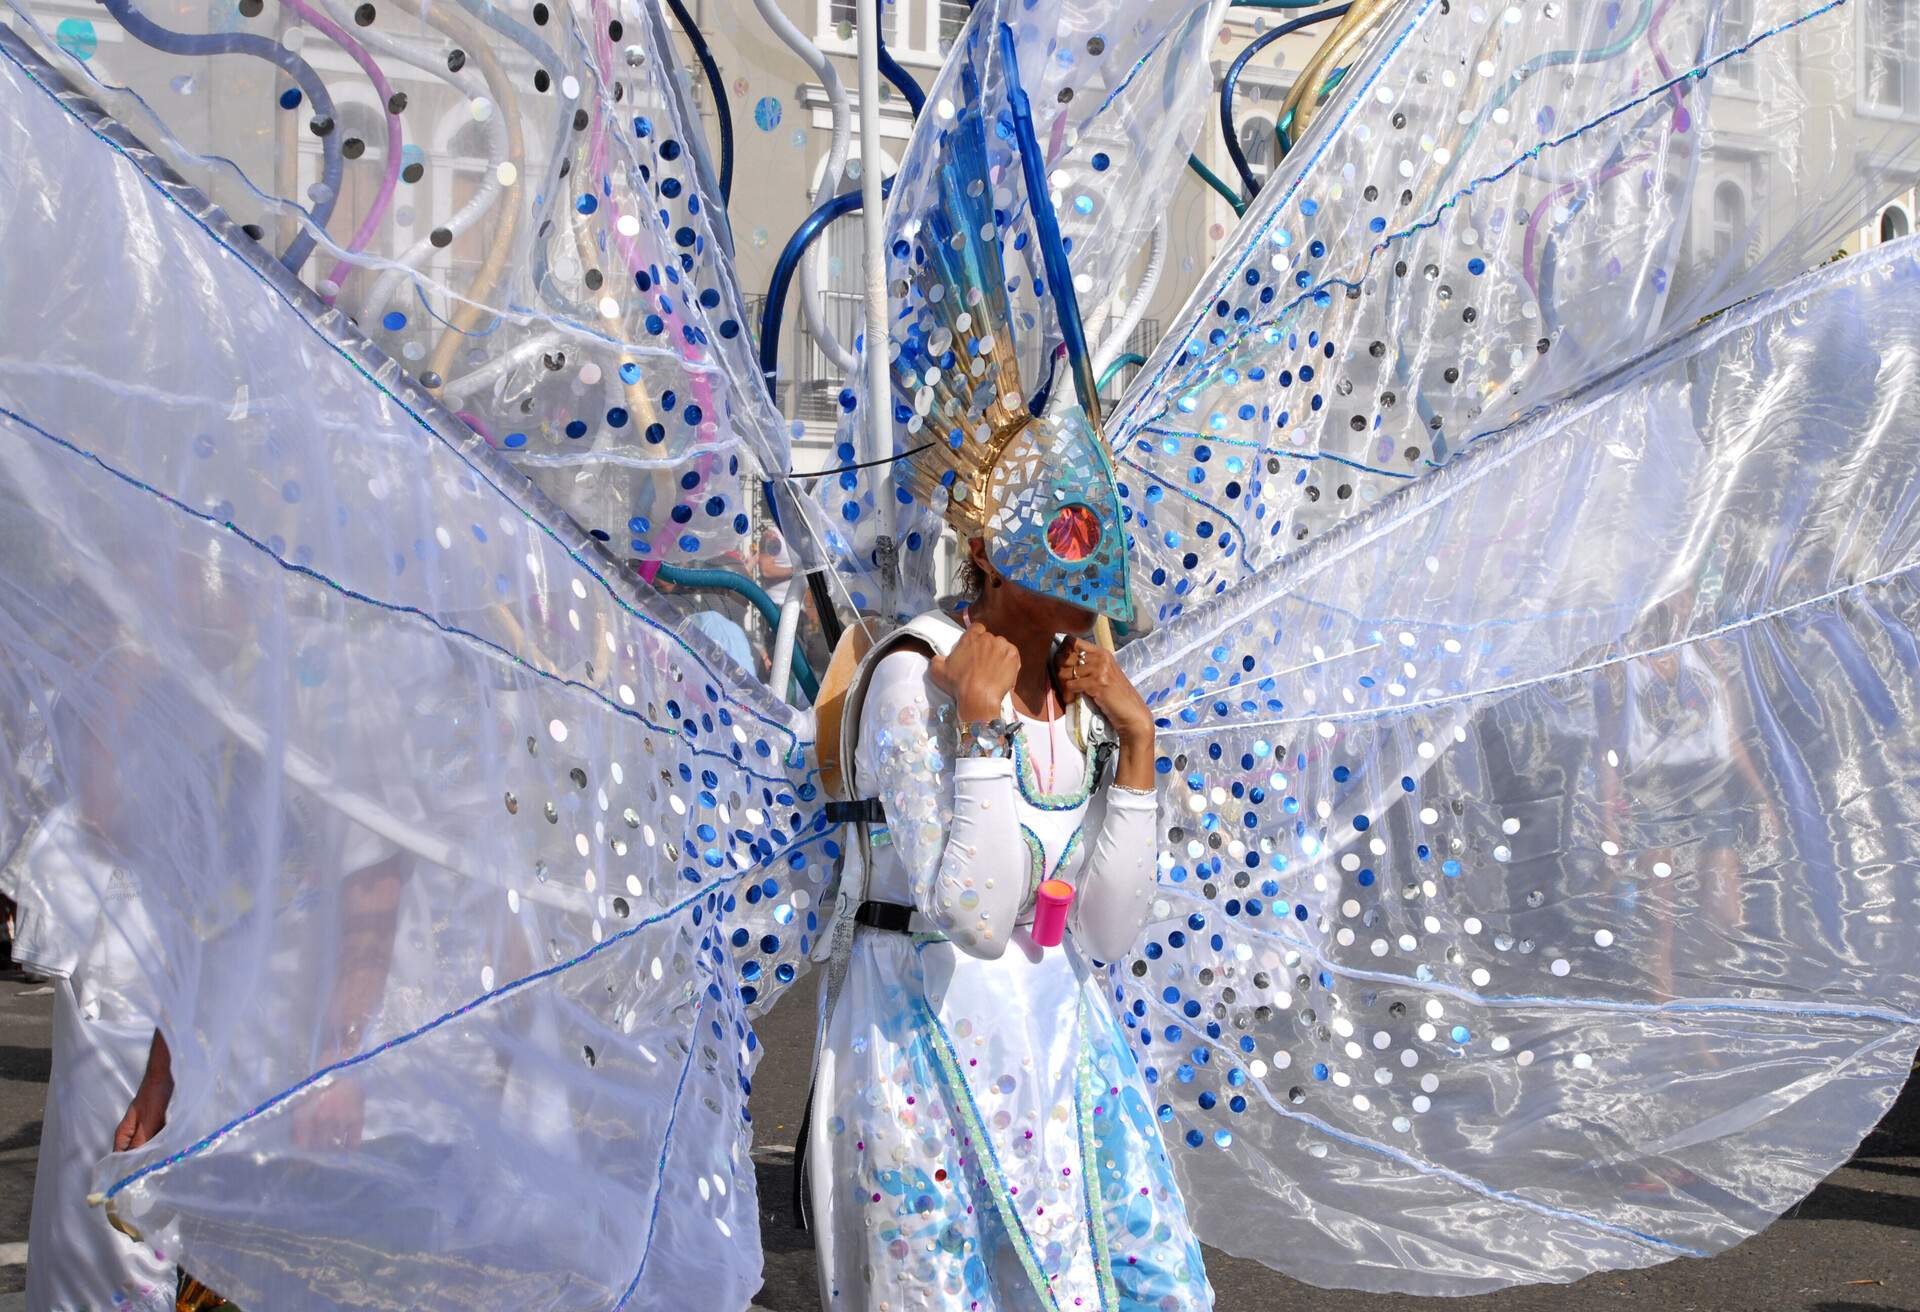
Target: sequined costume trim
1036 863
996 1182
1066 853
1029 781
1089 1159
1037 867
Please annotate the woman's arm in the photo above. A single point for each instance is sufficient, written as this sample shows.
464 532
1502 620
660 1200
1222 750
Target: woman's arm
951 820
1116 892
1116 889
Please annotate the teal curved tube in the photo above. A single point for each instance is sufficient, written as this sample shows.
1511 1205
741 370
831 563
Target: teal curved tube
687 577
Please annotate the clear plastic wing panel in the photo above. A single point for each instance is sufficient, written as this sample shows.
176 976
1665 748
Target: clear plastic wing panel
1538 871
1497 204
517 207
440 837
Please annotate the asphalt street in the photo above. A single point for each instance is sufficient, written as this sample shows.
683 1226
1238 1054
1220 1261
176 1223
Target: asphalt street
1853 1245
26 1059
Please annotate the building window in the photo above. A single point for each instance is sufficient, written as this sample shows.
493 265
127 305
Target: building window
1894 224
922 29
1889 57
1141 341
952 17
1729 219
1259 145
844 15
1736 29
844 309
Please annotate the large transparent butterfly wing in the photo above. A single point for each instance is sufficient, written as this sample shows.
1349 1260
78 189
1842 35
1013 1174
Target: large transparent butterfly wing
1496 204
517 210
1537 881
439 836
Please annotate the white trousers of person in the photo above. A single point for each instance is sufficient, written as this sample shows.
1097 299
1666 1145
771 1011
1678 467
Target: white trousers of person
75 922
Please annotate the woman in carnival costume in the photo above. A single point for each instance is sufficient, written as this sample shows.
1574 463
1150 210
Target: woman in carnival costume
982 1135
982 1131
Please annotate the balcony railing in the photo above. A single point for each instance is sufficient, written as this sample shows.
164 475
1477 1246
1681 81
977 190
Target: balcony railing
817 382
1141 341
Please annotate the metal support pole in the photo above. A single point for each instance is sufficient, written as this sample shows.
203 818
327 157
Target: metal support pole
877 425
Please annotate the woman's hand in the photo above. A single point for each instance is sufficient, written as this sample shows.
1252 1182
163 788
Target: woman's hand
1084 669
147 1113
978 673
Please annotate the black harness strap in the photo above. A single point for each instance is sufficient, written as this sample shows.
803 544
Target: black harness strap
1102 757
863 811
891 916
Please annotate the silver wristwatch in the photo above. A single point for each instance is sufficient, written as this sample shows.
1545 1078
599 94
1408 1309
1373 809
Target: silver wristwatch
992 739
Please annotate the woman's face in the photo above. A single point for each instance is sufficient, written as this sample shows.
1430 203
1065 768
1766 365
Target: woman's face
1049 612
1055 614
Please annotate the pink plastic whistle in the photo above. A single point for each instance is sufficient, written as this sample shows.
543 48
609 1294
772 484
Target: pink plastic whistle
1050 906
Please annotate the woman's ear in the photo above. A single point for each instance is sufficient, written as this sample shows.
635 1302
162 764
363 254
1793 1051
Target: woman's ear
977 554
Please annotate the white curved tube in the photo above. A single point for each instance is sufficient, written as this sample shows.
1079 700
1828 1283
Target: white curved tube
783 638
457 388
1115 341
814 266
468 83
462 219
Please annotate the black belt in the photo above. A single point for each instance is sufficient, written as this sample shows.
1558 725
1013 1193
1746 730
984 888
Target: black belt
891 916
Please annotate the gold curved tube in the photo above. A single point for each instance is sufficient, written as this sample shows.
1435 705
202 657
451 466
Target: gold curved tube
1353 30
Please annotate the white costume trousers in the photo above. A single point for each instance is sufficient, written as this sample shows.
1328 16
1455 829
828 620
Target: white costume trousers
76 1262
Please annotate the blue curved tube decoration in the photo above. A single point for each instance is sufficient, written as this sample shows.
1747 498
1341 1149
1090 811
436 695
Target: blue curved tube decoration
890 69
1037 403
147 32
722 108
726 580
1120 362
1232 79
1053 251
774 311
771 315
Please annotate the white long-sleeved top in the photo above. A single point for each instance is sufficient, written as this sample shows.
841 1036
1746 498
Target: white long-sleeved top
968 840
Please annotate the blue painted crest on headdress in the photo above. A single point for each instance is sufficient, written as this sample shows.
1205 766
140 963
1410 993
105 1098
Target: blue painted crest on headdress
1041 489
